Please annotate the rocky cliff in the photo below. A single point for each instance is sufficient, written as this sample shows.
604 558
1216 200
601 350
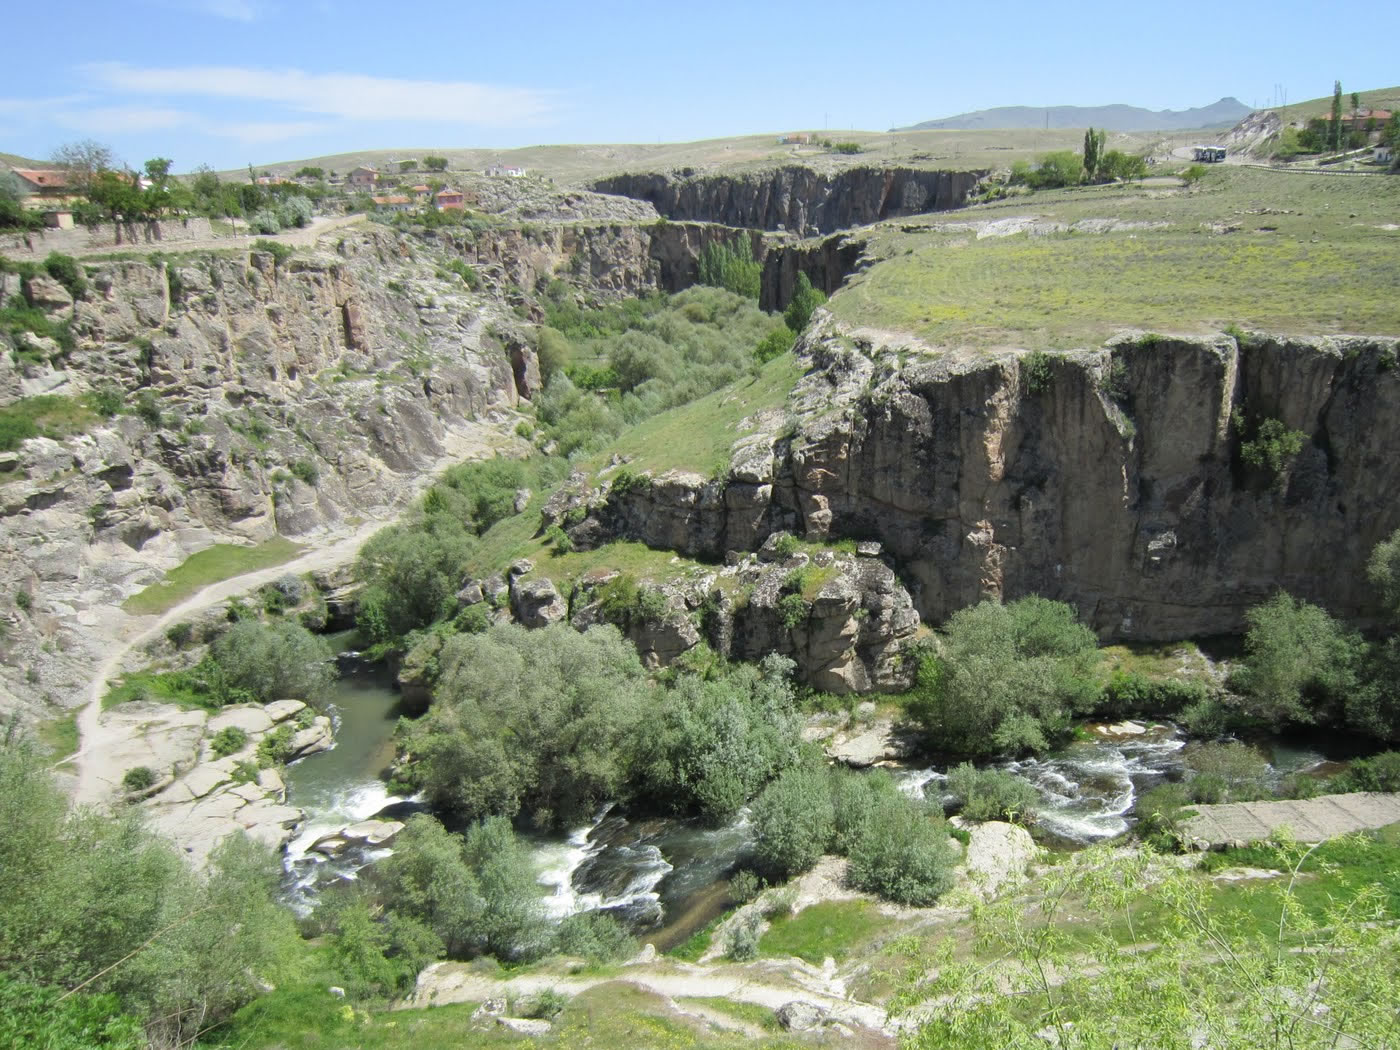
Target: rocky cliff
797 199
1112 479
252 397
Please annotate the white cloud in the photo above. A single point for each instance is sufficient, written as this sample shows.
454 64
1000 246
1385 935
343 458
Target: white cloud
350 96
117 120
266 131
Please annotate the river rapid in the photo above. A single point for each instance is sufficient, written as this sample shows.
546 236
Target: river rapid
666 877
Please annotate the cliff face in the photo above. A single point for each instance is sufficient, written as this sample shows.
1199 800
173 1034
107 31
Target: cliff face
797 199
260 399
1117 484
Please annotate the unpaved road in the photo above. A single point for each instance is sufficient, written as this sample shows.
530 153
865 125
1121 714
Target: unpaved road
444 983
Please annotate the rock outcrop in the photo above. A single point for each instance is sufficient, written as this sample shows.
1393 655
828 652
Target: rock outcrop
798 199
1114 480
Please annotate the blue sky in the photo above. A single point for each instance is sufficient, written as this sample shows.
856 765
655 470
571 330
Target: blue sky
228 82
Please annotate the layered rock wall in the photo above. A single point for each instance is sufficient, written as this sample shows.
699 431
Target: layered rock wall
797 199
1116 484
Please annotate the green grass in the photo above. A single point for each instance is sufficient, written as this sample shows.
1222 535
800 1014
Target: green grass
48 415
835 928
59 735
759 1016
698 436
694 946
615 1014
164 687
222 561
1324 267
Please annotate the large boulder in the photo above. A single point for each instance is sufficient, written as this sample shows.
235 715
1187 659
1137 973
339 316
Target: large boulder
799 1016
537 603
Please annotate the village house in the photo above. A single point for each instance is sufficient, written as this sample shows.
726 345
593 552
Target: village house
450 200
505 170
42 182
362 178
393 204
421 194
797 138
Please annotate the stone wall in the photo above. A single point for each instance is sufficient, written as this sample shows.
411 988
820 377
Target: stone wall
107 235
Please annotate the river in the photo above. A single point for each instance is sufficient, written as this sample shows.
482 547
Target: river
666 877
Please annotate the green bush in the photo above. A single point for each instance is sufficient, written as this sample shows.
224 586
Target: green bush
228 741
794 821
66 271
139 778
1226 772
992 794
1378 773
804 303
275 749
51 1019
903 853
1272 447
1006 678
722 266
741 944
1300 664
776 343
280 252
1037 370
107 400
595 936
306 471
275 661
744 886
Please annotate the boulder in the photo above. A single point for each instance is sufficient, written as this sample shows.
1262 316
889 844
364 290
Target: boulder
44 293
537 603
281 710
524 1025
373 832
799 1016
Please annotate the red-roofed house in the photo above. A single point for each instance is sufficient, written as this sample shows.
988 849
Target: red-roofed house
422 194
451 200
363 178
43 182
395 204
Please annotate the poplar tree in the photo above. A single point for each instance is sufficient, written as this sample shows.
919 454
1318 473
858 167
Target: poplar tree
1334 128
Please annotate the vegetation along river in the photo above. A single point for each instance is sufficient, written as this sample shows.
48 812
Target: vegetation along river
665 877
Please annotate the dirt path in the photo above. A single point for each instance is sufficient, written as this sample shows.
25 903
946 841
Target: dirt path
319 227
122 634
444 983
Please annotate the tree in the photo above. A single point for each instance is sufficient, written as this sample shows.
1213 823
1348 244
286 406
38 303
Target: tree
118 195
435 163
793 821
542 722
1334 124
83 160
1383 571
275 661
1115 164
724 267
407 165
903 853
410 575
310 172
1093 154
1005 678
1298 661
804 303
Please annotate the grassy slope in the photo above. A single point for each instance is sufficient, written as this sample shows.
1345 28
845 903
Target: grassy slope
696 437
1378 98
1306 254
219 562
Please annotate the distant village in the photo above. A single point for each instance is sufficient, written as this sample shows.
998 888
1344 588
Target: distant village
56 197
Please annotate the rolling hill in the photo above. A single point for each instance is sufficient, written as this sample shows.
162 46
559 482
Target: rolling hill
1112 118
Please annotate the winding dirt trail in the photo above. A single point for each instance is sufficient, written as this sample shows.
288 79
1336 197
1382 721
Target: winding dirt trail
96 777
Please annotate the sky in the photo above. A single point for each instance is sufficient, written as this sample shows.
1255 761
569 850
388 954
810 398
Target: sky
233 82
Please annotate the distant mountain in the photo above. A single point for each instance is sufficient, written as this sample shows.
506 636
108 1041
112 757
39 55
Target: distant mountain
1111 118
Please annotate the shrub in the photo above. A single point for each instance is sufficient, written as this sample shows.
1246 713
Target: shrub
992 794
1159 814
846 147
1299 661
786 545
793 611
804 303
280 252
744 886
148 409
1272 448
1038 373
595 936
306 471
558 540
273 661
276 748
1009 677
903 853
1226 772
139 778
1194 174
228 741
793 822
744 933
107 400
466 273
66 271
180 634
1377 773
24 601
776 343
264 220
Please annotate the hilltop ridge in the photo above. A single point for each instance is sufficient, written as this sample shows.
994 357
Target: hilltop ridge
1115 117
